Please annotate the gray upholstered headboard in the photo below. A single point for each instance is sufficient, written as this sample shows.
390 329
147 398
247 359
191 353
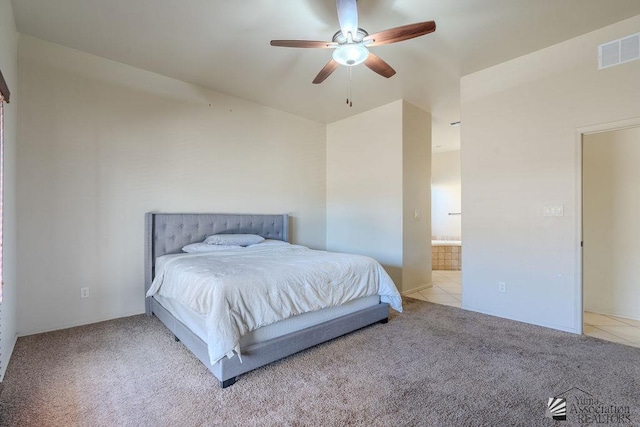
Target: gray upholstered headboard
168 233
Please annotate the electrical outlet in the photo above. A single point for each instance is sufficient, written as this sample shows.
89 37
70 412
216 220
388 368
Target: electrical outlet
502 287
84 292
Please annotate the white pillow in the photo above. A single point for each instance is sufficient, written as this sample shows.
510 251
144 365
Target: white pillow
203 247
234 239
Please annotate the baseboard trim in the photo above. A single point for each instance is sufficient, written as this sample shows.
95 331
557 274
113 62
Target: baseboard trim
9 353
419 288
81 323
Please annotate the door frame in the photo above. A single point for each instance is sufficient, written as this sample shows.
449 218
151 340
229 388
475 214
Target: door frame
579 133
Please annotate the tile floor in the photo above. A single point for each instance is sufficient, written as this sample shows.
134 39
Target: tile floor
611 328
447 289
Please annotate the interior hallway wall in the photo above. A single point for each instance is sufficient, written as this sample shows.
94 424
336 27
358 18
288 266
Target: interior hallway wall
378 169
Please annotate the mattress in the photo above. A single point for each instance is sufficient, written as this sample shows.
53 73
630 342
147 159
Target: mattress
240 290
197 322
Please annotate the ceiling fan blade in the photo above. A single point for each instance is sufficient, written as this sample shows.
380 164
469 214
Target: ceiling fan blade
303 43
399 34
326 72
376 64
348 17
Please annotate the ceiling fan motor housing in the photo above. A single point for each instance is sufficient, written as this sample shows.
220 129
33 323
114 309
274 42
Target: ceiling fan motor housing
340 38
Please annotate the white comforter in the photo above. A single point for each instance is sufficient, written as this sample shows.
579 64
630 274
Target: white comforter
240 290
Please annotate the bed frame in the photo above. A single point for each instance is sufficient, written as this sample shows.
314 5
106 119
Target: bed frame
167 233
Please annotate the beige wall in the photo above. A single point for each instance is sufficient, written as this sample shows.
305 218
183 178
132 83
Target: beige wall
364 186
101 143
378 168
611 208
416 195
519 154
446 195
9 67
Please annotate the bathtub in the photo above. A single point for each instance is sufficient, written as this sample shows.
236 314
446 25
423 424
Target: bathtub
446 243
446 254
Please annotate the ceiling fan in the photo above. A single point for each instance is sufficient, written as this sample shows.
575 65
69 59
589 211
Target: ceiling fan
352 43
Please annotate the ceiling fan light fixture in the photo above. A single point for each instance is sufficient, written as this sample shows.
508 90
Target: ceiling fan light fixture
350 54
352 43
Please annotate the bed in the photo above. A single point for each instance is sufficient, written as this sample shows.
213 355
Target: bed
167 234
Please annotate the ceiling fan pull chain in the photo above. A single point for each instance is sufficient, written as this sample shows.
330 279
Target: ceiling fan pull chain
348 85
349 97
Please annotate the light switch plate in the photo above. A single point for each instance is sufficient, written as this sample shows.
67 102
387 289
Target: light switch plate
553 210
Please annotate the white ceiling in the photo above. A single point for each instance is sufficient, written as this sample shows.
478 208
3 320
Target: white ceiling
224 45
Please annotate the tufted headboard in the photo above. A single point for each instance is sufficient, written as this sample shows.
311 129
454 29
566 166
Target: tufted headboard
168 233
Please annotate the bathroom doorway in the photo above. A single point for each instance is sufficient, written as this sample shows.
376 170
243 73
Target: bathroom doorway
446 209
446 239
610 226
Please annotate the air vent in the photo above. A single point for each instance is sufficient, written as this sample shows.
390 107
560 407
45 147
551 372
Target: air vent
619 51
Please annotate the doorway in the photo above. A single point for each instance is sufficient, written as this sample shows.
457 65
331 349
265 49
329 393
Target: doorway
446 234
610 230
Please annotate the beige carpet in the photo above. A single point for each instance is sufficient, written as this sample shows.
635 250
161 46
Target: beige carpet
432 365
